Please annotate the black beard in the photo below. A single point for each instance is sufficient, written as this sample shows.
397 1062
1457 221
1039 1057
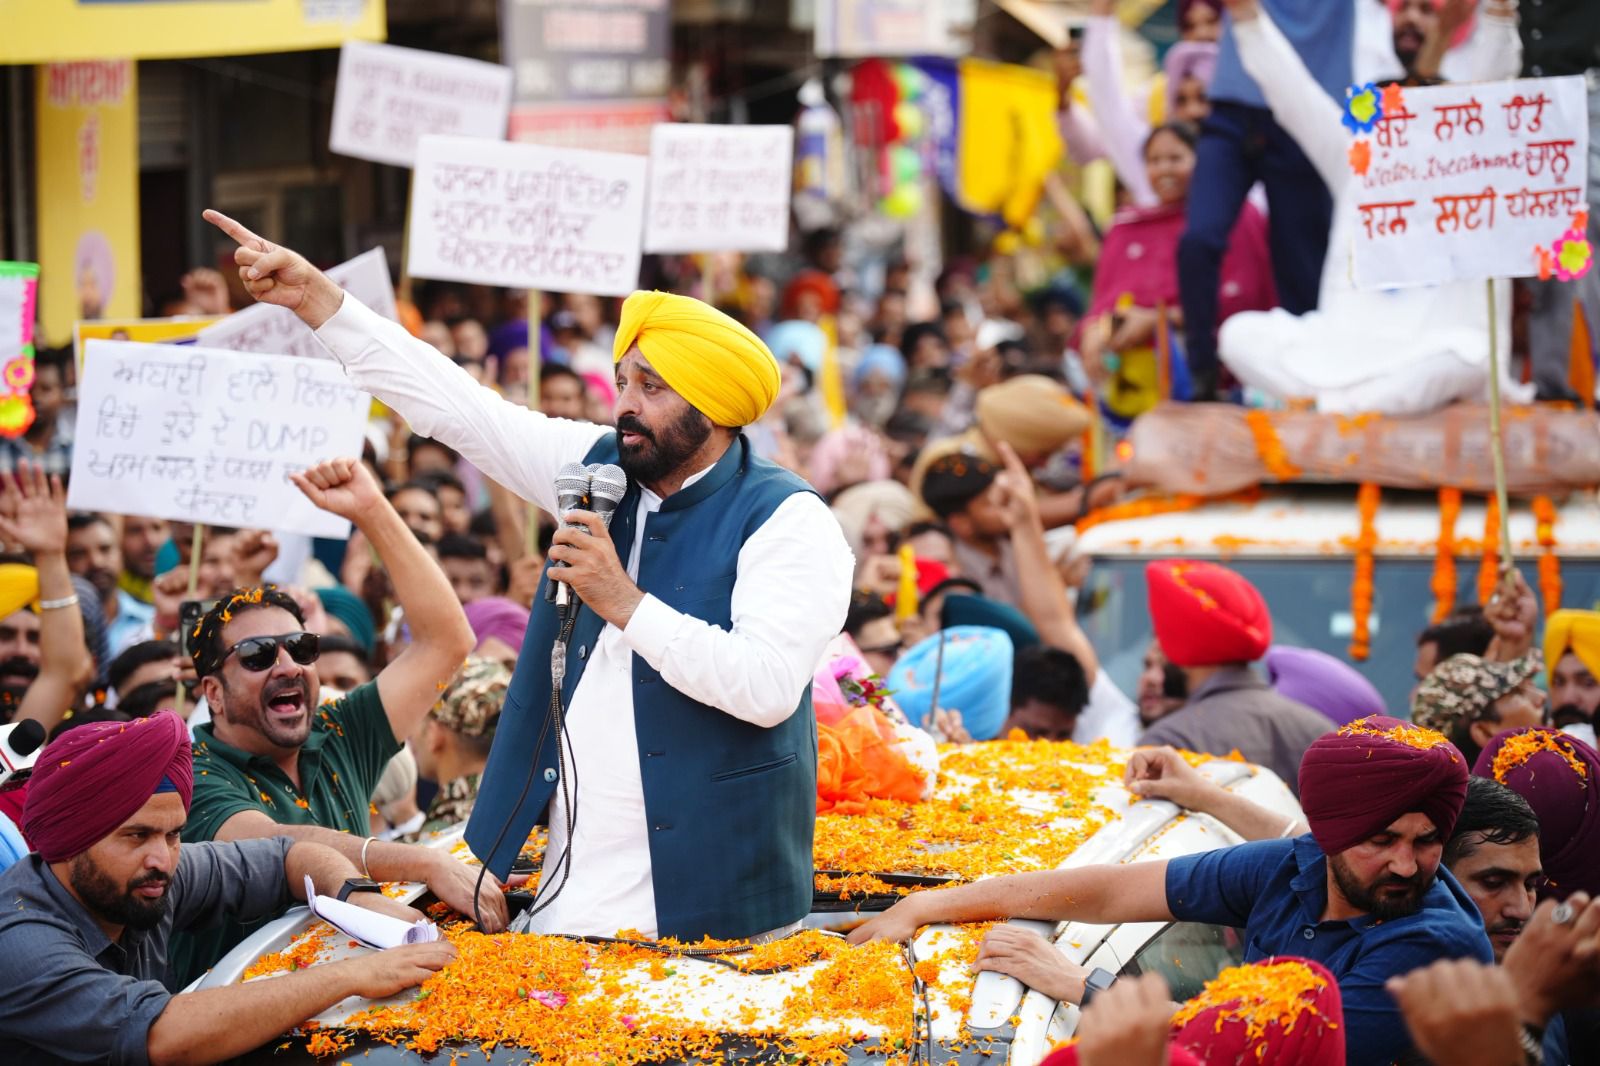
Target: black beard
1569 714
104 582
648 463
117 905
1366 898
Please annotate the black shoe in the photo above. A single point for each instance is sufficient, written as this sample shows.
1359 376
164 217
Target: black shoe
1203 386
1557 394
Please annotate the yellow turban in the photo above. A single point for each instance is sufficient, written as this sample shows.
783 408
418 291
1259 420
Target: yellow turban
1033 414
19 587
723 370
1574 631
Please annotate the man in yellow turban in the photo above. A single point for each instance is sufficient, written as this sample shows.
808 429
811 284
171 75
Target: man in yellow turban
685 704
1572 651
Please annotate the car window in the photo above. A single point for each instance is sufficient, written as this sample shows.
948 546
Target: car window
1188 954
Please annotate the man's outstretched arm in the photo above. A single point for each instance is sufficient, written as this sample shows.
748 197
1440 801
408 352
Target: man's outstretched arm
1136 892
519 448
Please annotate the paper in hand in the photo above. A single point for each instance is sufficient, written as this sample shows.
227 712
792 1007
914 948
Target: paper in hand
370 928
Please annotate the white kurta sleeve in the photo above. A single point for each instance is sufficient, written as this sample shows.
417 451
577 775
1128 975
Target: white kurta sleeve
1121 127
790 595
519 448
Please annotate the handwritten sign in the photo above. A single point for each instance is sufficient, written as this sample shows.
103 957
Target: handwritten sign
719 188
527 216
268 330
201 435
1465 182
388 97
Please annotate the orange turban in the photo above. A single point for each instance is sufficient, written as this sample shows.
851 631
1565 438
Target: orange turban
1574 631
721 368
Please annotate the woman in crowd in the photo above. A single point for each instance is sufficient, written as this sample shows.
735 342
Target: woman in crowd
1136 284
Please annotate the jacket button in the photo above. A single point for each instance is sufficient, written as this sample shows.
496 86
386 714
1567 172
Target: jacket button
583 651
550 774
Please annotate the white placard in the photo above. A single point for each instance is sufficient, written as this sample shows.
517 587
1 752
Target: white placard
527 216
389 97
203 435
1466 181
719 188
268 330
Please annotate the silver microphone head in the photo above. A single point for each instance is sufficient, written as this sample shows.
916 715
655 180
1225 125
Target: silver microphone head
572 480
609 483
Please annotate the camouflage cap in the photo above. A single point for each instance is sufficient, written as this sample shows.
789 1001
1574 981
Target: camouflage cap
471 704
1463 688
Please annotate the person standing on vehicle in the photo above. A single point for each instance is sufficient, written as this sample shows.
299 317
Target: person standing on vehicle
705 608
1213 624
88 914
1361 893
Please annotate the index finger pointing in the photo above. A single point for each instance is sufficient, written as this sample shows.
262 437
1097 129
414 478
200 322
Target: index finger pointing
229 226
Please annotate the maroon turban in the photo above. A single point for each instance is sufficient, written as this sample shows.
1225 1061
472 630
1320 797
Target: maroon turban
91 779
1357 781
1559 776
1206 615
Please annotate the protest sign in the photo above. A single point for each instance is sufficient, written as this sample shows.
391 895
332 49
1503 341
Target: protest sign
527 216
268 330
587 75
1465 182
207 436
387 97
719 188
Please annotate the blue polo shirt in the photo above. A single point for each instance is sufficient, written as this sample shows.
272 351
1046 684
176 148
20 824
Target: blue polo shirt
1276 890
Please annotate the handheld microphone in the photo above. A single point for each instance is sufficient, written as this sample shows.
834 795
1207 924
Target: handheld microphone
19 747
606 490
572 492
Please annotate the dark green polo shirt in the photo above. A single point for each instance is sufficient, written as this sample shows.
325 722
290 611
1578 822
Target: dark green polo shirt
340 763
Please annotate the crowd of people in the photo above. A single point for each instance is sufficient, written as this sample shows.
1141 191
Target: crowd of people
904 468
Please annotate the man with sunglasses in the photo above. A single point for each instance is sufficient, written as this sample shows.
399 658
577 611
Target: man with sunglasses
273 763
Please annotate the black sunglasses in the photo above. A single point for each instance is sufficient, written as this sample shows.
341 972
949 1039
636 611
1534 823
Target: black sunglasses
260 653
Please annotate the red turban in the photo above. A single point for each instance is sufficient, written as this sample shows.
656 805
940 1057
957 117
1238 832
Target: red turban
1206 615
93 778
1559 776
1354 783
1279 1010
1282 1010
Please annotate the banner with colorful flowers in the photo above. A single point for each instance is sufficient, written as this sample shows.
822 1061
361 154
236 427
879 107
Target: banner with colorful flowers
19 298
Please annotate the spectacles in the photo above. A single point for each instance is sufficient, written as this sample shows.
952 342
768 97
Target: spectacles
885 649
257 654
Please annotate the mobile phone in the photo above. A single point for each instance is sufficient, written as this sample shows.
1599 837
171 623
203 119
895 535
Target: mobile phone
189 614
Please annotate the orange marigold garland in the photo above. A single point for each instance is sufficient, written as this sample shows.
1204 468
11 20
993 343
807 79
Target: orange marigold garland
1367 498
1443 583
1262 996
1544 516
1524 746
1489 568
1268 445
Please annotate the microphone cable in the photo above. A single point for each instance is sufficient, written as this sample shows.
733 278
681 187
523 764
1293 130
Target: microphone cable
553 714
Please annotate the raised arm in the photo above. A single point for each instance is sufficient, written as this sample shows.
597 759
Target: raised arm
1044 594
1122 129
1107 895
33 513
440 635
1298 103
519 448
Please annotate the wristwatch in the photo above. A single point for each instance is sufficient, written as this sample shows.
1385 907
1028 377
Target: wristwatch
1098 981
358 884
